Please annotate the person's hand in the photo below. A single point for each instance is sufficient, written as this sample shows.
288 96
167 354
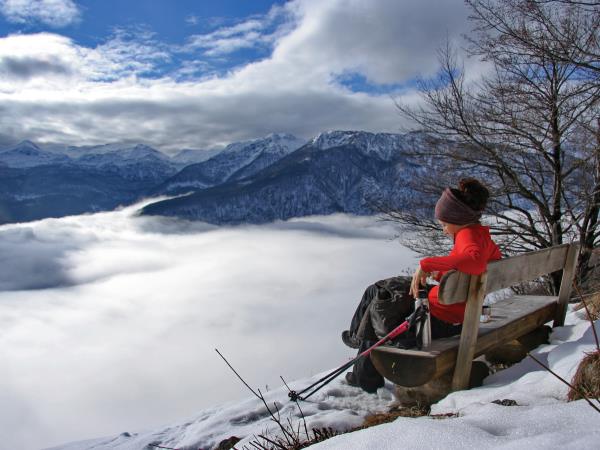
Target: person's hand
419 279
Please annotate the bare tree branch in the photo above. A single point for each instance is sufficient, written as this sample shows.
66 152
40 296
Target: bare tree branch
530 128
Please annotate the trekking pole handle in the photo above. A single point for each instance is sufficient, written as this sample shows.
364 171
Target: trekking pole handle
424 326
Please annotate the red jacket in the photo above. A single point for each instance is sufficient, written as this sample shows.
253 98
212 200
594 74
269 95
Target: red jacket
473 249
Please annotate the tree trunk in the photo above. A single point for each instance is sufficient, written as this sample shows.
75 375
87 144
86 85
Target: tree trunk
589 231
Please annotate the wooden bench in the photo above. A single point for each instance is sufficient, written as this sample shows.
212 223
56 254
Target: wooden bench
512 317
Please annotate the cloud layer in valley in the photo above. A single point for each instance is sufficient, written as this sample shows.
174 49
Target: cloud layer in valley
109 321
315 66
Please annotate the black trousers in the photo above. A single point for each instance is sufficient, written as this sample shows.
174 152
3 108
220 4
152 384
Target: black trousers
365 373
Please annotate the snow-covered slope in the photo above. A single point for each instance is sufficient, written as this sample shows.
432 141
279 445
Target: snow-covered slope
342 171
131 160
37 183
385 146
189 156
27 154
236 161
542 419
76 152
134 162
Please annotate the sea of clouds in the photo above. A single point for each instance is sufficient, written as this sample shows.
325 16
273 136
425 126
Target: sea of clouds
109 321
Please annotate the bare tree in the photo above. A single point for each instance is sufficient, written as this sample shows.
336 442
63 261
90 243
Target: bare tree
567 30
530 126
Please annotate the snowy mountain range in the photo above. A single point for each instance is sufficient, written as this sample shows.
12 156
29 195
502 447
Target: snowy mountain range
260 180
338 171
37 182
189 156
236 161
27 154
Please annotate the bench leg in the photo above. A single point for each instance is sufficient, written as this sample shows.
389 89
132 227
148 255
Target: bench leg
468 337
436 389
565 285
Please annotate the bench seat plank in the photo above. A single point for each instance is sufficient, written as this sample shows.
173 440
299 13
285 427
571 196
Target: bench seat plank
512 317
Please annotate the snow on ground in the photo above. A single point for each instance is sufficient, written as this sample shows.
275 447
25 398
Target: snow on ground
564 426
542 418
338 405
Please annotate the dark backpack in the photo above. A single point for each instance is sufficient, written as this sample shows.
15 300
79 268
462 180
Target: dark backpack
390 306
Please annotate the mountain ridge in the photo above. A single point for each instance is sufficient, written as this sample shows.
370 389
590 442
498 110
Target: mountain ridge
335 172
259 180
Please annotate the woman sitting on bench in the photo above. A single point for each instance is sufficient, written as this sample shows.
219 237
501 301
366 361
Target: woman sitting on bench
458 211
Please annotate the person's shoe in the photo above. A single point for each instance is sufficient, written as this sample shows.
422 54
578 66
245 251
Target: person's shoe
351 380
350 340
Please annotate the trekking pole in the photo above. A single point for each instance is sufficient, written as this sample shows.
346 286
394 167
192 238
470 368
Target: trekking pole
423 326
402 328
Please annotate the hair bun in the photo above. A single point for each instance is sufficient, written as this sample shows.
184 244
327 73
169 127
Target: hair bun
473 193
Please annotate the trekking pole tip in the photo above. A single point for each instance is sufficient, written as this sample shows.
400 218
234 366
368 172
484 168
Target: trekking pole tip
294 396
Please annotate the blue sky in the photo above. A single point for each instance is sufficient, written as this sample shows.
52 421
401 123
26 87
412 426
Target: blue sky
172 19
174 23
196 74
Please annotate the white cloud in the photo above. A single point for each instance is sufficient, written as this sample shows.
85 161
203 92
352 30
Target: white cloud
32 63
127 52
29 58
122 336
119 90
192 20
228 39
55 13
387 41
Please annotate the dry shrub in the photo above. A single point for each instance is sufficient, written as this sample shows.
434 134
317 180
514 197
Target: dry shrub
593 304
228 444
381 418
291 440
537 287
587 378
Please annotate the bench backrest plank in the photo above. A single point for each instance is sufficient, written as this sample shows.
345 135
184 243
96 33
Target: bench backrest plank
457 287
454 285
